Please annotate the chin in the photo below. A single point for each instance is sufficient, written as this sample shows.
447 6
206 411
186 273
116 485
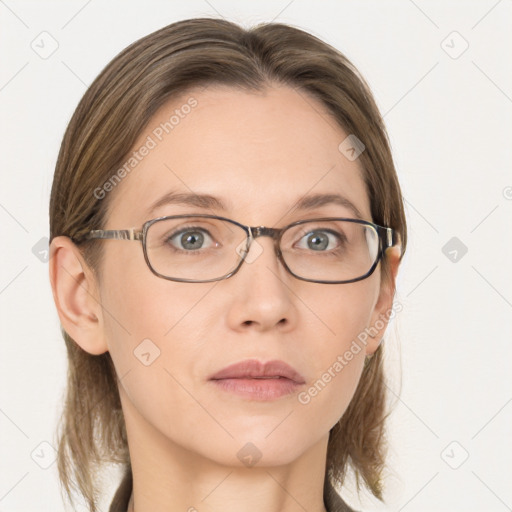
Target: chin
258 449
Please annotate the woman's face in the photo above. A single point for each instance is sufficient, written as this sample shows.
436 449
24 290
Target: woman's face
258 154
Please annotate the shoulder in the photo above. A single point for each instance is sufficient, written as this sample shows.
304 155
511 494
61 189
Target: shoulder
332 500
123 493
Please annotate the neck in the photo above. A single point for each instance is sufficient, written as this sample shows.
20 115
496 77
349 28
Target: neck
167 476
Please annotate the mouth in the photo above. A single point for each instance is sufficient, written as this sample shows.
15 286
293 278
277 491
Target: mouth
251 379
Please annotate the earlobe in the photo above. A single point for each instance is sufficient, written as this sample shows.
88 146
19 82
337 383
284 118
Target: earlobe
74 289
384 305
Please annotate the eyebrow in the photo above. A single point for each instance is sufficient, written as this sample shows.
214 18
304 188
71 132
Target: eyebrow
209 202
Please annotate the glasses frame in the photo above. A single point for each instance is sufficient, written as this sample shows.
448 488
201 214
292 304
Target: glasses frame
386 236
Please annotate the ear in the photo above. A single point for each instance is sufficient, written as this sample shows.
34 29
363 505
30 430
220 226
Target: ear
75 293
384 305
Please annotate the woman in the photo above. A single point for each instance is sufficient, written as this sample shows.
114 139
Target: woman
224 364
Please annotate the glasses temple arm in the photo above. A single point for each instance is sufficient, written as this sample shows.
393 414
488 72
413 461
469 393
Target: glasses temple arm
117 234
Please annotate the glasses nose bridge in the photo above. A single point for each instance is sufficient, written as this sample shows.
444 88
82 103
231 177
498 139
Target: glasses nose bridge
259 231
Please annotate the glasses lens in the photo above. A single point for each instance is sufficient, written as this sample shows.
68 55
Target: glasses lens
331 250
194 248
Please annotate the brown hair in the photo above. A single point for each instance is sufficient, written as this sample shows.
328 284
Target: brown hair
112 113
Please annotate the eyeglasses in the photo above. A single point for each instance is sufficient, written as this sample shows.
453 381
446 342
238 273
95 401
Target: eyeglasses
203 248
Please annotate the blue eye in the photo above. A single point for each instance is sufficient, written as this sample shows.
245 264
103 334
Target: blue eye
320 240
190 239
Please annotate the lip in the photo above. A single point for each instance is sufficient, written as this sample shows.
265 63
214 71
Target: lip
259 381
252 369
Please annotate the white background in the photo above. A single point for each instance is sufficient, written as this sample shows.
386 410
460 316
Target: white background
449 121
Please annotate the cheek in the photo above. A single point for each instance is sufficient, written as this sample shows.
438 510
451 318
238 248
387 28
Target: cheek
342 312
337 356
149 325
155 342
328 395
140 306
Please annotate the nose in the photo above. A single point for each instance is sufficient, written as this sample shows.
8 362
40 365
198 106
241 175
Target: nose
262 298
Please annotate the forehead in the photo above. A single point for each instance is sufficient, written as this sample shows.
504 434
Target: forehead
259 152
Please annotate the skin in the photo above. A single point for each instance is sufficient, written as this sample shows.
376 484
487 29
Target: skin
258 152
